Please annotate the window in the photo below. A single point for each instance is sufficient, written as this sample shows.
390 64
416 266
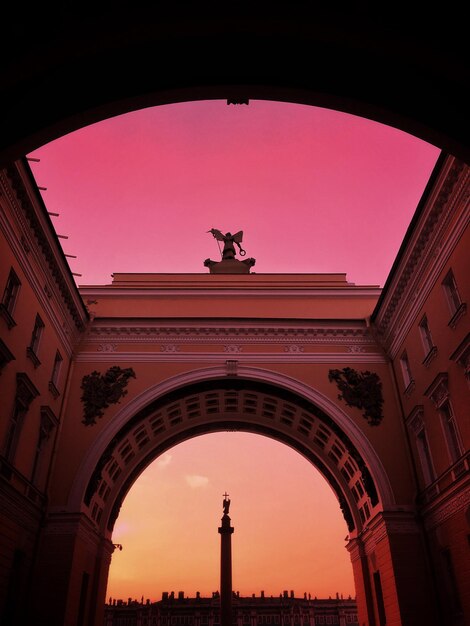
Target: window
406 371
451 291
10 296
415 423
456 306
46 427
430 349
425 457
53 383
5 355
438 392
451 432
32 350
25 394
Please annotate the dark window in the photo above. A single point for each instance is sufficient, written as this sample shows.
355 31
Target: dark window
46 427
426 337
25 394
452 294
9 299
405 369
33 348
451 432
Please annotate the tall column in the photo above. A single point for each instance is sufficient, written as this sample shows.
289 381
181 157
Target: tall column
226 531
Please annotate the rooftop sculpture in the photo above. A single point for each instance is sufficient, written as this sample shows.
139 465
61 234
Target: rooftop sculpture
229 264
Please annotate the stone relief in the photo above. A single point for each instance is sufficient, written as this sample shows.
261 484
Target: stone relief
362 390
100 391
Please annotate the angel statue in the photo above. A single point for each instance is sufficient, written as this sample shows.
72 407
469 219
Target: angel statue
229 241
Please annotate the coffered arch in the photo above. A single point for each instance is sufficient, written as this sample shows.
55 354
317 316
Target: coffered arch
254 400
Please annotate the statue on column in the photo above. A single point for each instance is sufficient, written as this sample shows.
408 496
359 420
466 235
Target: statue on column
226 503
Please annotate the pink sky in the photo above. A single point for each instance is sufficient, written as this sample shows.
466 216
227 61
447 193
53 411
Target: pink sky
314 191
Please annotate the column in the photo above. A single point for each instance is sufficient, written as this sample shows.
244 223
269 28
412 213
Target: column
226 531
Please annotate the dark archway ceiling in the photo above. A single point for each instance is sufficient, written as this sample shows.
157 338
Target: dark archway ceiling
63 68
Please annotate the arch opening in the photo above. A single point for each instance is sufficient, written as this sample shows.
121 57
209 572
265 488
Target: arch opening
287 521
234 405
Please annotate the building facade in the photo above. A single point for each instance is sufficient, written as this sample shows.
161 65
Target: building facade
371 385
283 610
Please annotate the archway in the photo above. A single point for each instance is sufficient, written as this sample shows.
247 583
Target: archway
256 401
408 73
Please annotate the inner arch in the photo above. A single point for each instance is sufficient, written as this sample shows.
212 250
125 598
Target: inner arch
232 404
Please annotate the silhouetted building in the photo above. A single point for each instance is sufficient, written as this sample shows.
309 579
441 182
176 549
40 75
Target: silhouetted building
283 610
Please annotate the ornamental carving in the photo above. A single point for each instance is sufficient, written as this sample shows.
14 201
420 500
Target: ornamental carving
100 391
107 347
356 349
232 348
362 390
169 348
293 349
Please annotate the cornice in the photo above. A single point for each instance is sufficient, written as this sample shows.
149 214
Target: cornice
57 270
254 291
63 323
425 255
184 331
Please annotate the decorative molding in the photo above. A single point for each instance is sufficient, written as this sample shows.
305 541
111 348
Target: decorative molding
10 322
116 332
53 389
410 388
25 390
169 347
232 348
231 367
362 390
430 356
106 347
33 357
457 503
460 312
25 244
178 355
355 349
293 348
461 355
438 390
99 391
415 419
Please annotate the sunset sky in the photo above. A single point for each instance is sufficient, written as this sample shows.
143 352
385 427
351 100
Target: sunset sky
314 191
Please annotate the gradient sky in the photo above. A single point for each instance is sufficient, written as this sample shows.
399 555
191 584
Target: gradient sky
313 190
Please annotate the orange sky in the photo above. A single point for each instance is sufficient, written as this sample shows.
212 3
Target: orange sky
289 530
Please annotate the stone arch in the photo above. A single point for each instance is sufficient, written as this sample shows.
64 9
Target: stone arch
255 401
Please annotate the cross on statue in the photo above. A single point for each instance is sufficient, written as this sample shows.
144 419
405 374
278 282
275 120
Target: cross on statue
226 503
